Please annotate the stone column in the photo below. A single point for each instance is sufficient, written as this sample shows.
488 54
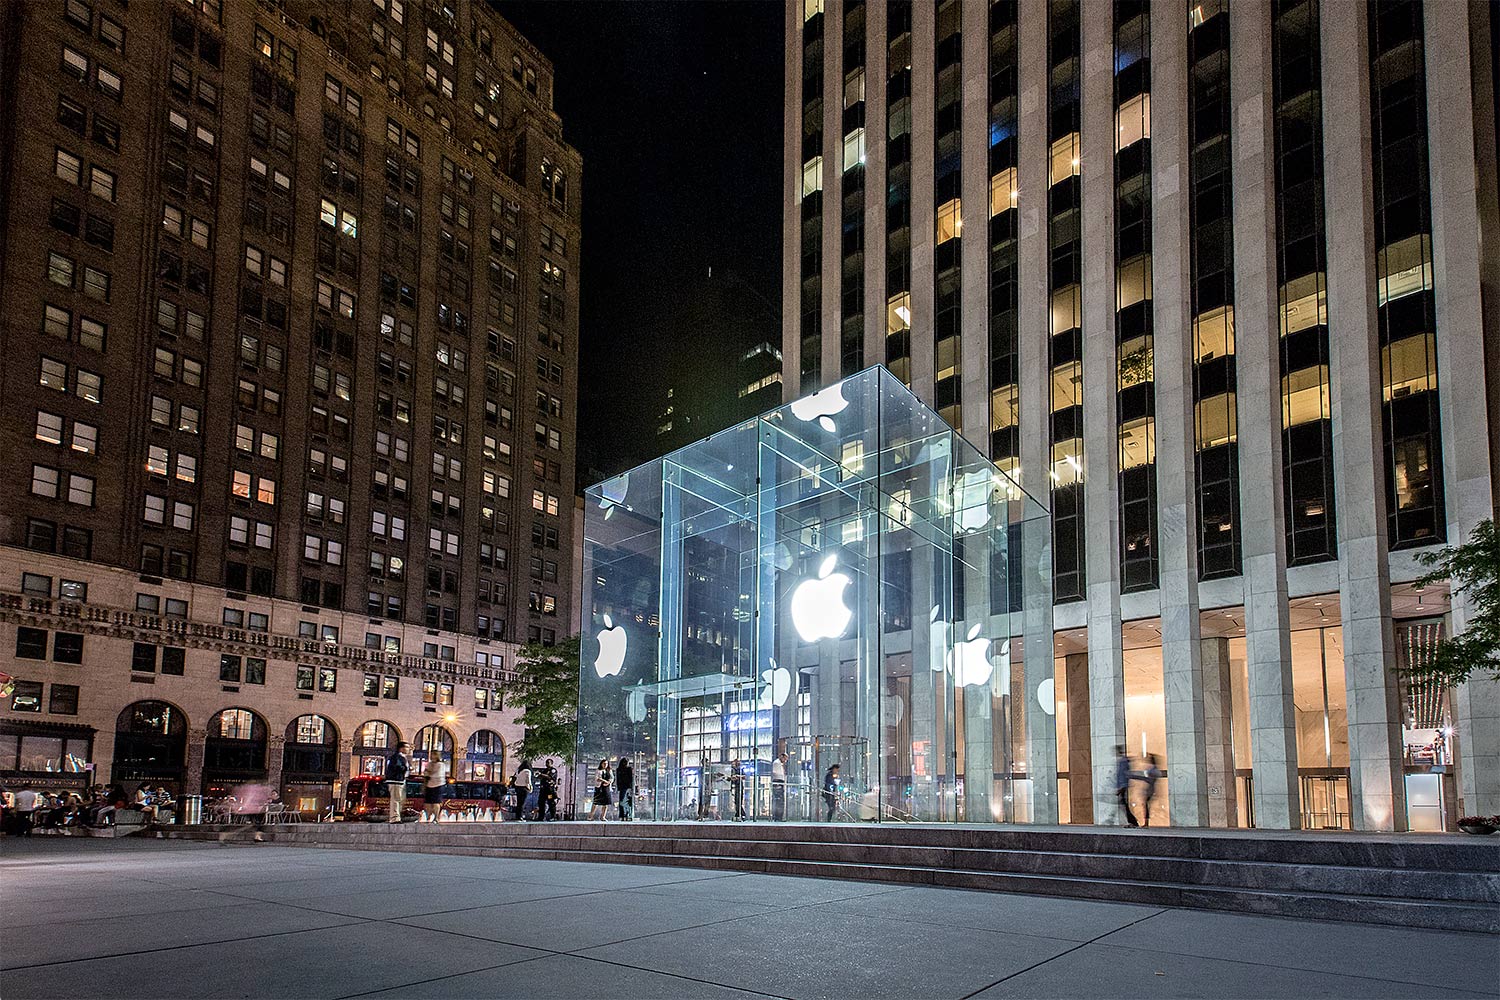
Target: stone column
923 193
1080 748
345 764
1218 734
974 255
1176 441
1257 331
1101 432
833 185
1376 785
275 754
791 209
1036 424
192 770
1461 145
876 53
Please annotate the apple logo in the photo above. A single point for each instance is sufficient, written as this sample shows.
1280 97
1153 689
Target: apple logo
612 494
818 608
635 705
1046 696
611 659
821 406
937 640
971 664
973 501
778 685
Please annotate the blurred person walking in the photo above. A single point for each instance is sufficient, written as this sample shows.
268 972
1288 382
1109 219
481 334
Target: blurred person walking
434 786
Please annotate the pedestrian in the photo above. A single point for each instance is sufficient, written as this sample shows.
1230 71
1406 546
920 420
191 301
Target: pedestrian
434 786
599 809
737 787
397 767
1122 785
625 786
522 782
778 787
831 791
25 805
547 801
1148 775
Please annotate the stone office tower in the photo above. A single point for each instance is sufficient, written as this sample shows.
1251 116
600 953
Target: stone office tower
288 307
1211 280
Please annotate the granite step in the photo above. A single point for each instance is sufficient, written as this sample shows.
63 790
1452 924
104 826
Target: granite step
1427 888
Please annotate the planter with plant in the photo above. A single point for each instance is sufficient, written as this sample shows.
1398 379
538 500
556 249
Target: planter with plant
1479 825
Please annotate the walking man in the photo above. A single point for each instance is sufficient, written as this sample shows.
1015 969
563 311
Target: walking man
547 801
625 785
1122 785
737 786
397 767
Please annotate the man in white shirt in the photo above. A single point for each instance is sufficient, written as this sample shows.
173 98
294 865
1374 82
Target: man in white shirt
26 803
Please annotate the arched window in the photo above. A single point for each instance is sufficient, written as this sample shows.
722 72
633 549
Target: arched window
484 760
235 749
433 740
312 749
235 724
150 743
376 735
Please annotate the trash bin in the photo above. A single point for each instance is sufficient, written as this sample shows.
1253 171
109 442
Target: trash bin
192 810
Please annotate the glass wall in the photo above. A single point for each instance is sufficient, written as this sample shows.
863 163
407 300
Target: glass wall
813 583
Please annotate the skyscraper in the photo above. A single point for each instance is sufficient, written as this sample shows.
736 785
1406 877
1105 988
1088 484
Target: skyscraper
288 301
1205 278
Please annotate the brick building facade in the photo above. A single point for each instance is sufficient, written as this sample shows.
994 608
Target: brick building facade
288 298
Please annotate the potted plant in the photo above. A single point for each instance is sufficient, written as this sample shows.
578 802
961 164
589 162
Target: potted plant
1479 825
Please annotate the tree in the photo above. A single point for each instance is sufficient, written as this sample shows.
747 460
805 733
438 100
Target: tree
546 692
1474 568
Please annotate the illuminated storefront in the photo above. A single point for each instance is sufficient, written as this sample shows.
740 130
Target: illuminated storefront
840 580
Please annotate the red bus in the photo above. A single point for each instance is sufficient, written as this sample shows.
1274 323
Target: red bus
366 798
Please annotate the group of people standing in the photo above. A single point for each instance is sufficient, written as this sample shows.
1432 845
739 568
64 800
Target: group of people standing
613 786
531 792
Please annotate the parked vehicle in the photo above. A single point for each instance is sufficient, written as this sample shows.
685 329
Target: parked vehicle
366 798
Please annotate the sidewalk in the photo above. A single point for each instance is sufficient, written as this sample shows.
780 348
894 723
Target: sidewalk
95 918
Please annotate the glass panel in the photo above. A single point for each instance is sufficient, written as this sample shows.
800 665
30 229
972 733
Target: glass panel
793 619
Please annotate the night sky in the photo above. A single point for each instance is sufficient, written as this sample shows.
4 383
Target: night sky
676 108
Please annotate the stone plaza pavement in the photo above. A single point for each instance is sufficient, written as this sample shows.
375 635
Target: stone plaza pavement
147 918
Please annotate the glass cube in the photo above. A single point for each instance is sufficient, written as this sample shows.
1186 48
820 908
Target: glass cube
811 616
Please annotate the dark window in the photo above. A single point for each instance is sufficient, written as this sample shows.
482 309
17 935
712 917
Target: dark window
143 657
31 643
63 699
172 660
67 647
229 668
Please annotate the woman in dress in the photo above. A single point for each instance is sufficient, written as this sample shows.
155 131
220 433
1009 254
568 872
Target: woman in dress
602 781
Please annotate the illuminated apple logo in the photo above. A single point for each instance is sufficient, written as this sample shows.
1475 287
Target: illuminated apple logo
971 660
611 659
778 686
937 639
1046 696
612 494
821 406
973 500
635 705
818 608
